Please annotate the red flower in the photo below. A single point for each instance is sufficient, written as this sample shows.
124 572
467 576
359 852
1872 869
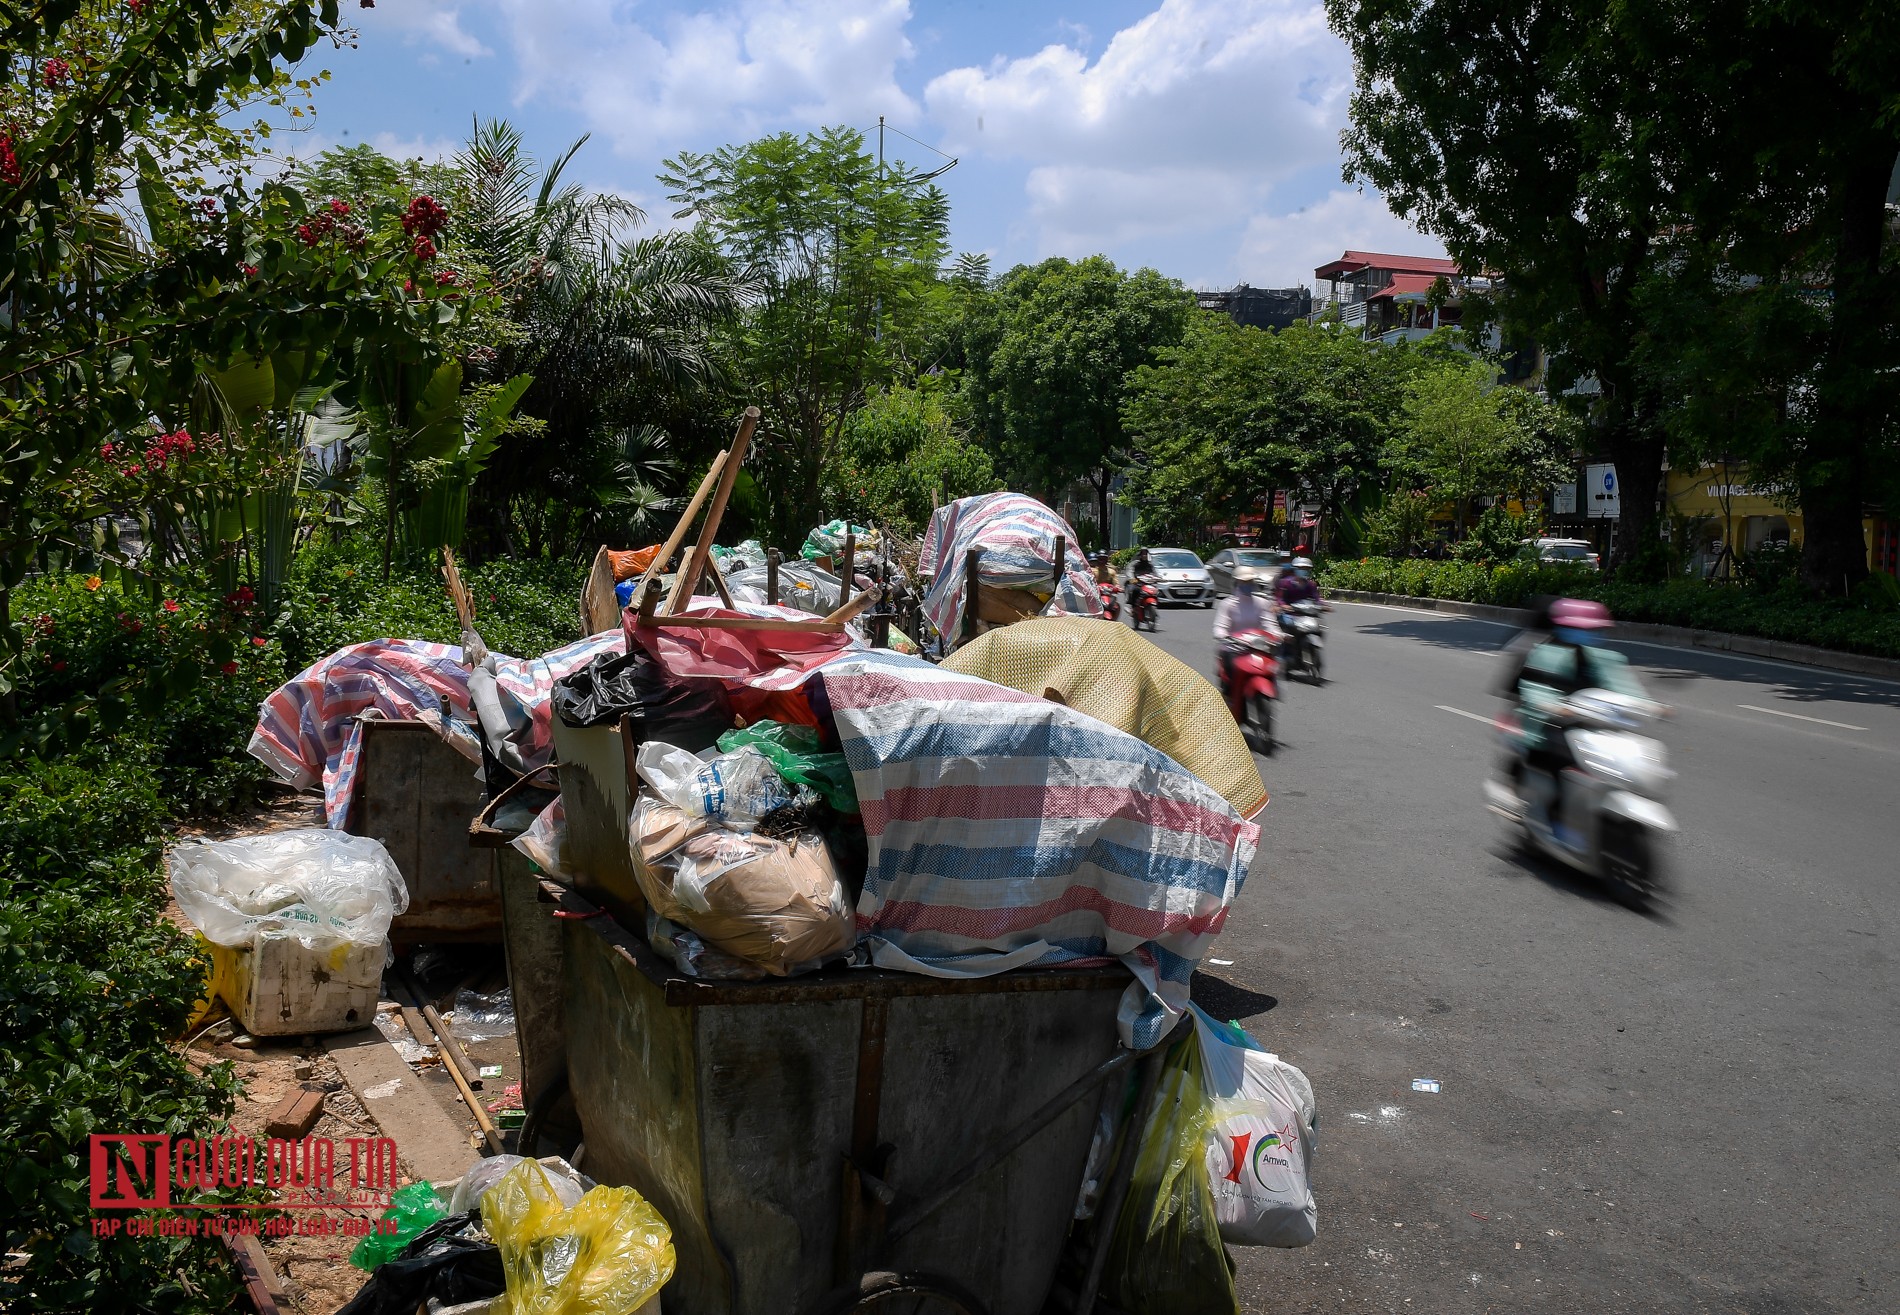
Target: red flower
339 208
130 624
445 279
105 452
229 668
9 162
408 285
306 235
425 249
208 204
250 271
59 666
55 72
258 641
136 6
424 218
170 605
240 597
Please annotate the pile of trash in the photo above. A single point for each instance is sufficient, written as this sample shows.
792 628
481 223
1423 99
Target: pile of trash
1018 577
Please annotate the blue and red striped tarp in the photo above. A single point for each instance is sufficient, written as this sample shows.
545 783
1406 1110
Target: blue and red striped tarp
1017 536
1007 831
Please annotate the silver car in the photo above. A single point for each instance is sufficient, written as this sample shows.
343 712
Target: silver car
1183 578
1231 564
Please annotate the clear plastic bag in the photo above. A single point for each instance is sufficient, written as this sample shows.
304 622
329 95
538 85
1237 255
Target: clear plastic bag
1259 1141
735 789
1165 1255
605 1255
828 540
569 1183
481 1017
797 753
320 886
414 1208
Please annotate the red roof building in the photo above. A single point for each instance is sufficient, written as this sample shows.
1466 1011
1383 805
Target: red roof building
1392 298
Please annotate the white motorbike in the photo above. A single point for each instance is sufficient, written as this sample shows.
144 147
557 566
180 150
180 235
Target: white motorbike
1609 815
1305 639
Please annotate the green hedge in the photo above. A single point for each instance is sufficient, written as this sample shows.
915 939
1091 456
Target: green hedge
1869 624
160 695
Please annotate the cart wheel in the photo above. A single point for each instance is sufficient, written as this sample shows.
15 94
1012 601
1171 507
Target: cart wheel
885 1293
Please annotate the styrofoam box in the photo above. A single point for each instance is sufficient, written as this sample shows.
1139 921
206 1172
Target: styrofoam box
279 987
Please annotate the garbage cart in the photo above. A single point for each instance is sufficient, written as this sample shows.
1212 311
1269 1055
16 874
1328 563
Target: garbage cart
798 1133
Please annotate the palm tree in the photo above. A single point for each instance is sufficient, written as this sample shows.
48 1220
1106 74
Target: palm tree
616 330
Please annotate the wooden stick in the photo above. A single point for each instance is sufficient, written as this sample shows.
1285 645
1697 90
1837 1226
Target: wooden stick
972 576
650 600
482 1121
1062 552
852 608
458 592
696 621
689 578
658 565
719 583
771 577
848 576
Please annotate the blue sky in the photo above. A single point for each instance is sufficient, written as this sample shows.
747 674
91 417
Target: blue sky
1200 137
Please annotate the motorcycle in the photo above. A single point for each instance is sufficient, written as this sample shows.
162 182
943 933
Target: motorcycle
1610 816
1111 599
1305 640
1250 682
1147 606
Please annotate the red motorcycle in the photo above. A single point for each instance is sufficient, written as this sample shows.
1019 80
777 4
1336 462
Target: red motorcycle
1111 599
1147 602
1250 682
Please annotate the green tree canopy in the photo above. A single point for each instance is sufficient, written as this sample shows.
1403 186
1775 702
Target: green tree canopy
903 454
1055 347
841 257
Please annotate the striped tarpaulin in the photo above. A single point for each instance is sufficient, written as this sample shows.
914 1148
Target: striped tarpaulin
1005 830
1017 536
310 729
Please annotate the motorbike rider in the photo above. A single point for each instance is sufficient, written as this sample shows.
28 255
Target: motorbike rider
1295 585
1235 615
1104 569
1144 565
1568 657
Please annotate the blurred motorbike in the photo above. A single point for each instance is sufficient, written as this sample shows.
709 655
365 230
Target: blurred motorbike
1605 818
1250 682
1147 604
1305 640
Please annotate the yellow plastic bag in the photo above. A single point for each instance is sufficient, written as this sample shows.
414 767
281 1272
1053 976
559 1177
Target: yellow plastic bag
220 968
608 1255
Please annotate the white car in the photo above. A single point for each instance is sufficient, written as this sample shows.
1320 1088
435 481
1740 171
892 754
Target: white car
1183 578
1566 551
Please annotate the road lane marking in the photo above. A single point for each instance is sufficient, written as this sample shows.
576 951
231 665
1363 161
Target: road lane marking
1462 713
1819 721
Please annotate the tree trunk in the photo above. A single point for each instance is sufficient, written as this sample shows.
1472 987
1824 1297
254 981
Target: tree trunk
1851 397
1101 509
1635 447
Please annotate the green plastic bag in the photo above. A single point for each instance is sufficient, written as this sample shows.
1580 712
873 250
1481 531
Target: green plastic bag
413 1208
793 750
828 540
1165 1256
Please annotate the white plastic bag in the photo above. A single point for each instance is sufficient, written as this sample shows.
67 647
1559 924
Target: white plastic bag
1260 1145
735 789
569 1183
318 885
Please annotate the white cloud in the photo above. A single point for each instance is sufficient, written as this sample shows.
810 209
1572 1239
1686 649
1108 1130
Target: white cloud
438 22
1281 249
1205 118
725 73
432 150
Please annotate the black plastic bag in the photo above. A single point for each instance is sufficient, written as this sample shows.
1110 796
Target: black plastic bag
441 1264
689 713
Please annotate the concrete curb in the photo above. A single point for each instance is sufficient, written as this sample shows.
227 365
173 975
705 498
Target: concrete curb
1804 655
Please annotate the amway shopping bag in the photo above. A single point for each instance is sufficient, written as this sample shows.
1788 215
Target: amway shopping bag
1260 1146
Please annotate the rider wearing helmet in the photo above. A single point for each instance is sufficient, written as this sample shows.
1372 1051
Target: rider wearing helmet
1569 658
1295 584
1144 565
1244 611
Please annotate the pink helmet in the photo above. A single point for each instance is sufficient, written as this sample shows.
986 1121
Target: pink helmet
1579 614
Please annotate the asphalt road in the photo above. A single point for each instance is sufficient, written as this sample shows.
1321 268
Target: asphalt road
1693 1109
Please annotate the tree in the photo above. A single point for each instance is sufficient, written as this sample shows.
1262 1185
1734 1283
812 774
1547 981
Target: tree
1537 141
1786 170
1057 355
117 335
841 257
1464 437
1234 413
903 453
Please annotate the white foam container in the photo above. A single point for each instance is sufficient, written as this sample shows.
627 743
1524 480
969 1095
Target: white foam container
278 987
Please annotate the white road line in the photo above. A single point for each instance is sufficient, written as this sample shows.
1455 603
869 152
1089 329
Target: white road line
1462 713
1819 721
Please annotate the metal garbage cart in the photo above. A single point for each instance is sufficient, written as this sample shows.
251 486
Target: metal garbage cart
799 1132
416 794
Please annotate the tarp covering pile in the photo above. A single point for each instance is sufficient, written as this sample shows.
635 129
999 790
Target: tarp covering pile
310 729
1017 536
1007 831
1115 675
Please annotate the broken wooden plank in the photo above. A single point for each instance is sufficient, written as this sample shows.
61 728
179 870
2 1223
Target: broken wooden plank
689 577
296 1114
429 1140
658 565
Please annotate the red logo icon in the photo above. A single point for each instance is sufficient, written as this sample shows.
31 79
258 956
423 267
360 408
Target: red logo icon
131 1172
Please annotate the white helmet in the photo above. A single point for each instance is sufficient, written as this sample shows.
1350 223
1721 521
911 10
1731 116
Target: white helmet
1304 563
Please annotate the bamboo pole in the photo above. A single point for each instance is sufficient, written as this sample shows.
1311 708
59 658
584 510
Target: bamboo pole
658 565
696 564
